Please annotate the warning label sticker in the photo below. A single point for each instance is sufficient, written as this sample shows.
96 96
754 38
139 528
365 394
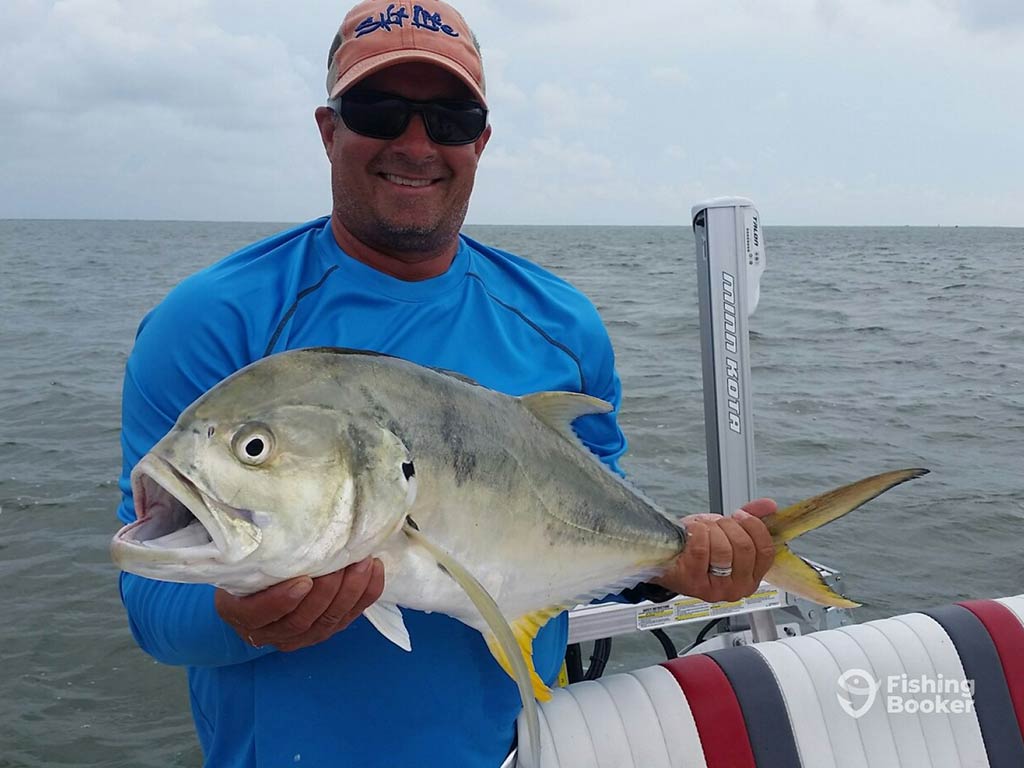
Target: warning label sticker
685 609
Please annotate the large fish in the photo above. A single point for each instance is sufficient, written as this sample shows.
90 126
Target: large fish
482 506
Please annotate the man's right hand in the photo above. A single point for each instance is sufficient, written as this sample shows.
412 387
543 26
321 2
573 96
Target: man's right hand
303 611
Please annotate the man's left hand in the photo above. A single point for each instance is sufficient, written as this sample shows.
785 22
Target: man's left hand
740 542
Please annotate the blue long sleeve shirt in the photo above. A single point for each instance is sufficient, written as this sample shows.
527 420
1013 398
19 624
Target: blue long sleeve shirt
355 699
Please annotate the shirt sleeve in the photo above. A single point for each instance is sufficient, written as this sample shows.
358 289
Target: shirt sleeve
176 358
601 433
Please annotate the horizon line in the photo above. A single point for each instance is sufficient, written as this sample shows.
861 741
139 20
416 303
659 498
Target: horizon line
504 224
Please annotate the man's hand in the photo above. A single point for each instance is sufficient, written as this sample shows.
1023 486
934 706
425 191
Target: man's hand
303 611
740 542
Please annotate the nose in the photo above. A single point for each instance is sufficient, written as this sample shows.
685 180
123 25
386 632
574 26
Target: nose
414 142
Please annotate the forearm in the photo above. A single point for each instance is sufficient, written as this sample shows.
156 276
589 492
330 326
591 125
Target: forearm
178 624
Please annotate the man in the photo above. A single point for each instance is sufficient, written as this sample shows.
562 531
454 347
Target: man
293 675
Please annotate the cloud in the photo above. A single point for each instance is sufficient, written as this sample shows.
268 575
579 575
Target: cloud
562 107
675 152
553 158
987 15
83 55
123 109
670 75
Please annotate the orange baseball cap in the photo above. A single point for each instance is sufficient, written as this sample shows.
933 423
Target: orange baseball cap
377 34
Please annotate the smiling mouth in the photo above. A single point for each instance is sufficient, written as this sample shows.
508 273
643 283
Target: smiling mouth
405 181
175 520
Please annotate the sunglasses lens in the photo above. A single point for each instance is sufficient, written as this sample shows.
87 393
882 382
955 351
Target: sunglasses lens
453 122
383 116
378 118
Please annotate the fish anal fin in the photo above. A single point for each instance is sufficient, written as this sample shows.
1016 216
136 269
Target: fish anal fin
524 630
793 574
558 410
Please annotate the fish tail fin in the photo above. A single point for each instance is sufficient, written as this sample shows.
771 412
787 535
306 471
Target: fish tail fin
525 630
791 572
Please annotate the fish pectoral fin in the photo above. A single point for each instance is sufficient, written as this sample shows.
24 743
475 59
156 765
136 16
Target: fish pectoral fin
559 410
525 630
503 636
387 618
793 574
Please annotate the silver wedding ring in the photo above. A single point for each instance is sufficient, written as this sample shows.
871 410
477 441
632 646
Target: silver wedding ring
720 570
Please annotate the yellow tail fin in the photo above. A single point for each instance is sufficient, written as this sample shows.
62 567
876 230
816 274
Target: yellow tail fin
792 573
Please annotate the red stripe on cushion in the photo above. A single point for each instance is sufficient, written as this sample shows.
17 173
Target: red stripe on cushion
723 734
1008 635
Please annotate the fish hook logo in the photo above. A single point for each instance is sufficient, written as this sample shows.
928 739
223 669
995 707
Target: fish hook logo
859 683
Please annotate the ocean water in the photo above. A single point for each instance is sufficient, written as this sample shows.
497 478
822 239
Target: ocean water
872 349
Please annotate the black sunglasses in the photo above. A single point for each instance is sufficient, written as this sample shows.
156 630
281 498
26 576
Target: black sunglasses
386 116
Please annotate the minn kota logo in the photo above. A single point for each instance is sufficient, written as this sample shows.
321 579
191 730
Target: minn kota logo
862 687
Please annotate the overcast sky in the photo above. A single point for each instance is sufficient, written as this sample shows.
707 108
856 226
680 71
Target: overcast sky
604 111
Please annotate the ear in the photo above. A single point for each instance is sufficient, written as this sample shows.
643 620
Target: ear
326 121
480 143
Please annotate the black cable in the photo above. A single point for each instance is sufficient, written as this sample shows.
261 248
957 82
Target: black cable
598 660
574 663
703 634
666 643
603 649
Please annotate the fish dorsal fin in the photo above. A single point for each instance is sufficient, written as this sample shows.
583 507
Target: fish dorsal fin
559 410
503 636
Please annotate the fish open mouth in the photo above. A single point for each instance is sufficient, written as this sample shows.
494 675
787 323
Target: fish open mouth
176 521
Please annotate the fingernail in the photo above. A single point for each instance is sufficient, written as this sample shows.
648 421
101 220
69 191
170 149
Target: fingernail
363 566
300 589
742 514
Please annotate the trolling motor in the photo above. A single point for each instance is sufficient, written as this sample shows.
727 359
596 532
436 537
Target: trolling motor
730 262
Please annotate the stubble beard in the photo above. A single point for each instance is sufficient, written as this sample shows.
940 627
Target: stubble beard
408 243
411 243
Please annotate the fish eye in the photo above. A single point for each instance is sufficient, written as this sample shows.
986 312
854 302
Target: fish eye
253 444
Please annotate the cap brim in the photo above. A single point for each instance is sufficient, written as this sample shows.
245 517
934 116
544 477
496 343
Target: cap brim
373 64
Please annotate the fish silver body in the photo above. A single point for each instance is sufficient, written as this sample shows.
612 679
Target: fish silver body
356 443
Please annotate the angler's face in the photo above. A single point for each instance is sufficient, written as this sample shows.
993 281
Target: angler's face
408 194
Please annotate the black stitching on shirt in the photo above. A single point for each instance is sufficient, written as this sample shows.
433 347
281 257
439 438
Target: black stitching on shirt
291 310
537 328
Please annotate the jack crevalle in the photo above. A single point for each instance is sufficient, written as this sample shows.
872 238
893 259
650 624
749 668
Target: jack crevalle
482 506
